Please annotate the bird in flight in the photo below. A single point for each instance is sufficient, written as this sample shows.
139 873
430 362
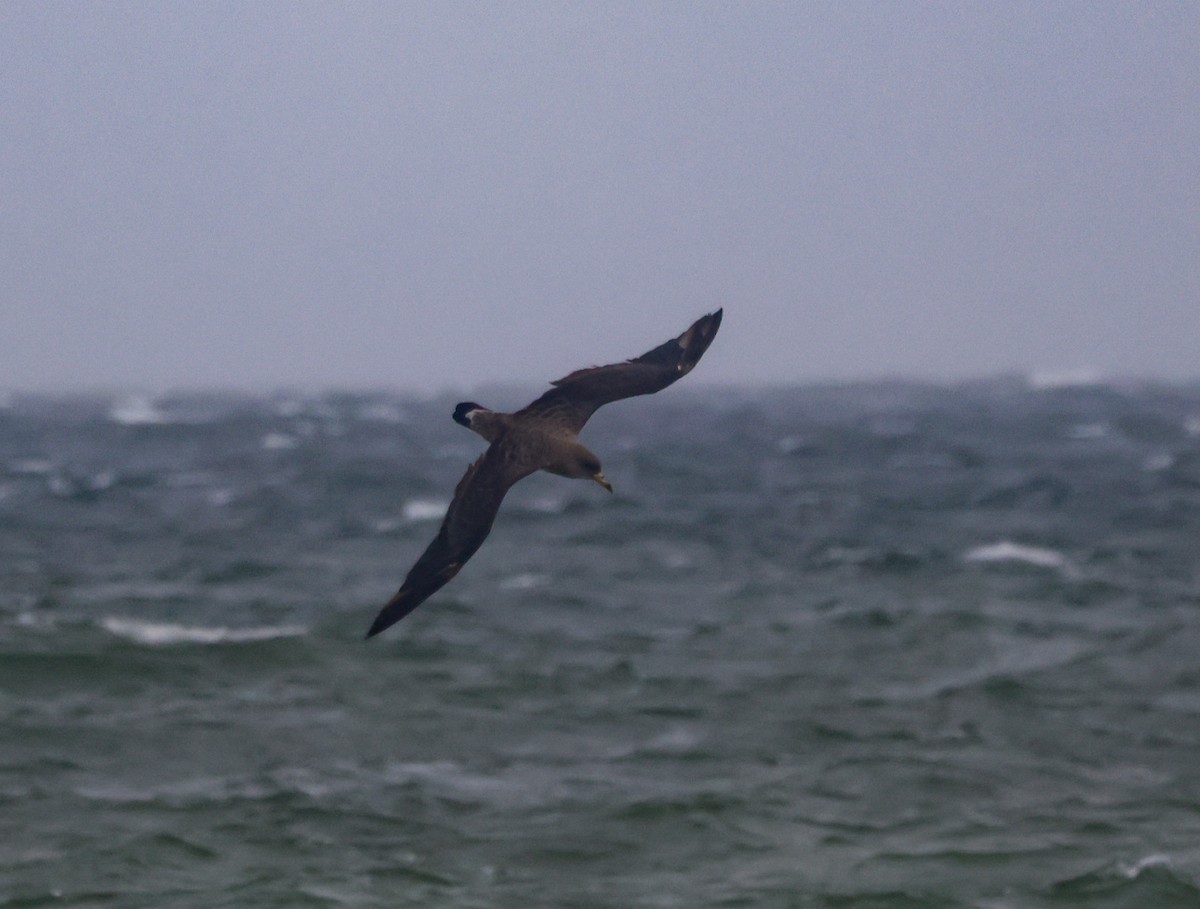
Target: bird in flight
542 436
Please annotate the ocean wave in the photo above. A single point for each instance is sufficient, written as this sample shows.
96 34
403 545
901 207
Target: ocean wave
453 778
1149 881
1007 551
1158 461
158 634
1053 379
137 410
547 504
381 412
34 467
277 441
424 509
1143 864
525 581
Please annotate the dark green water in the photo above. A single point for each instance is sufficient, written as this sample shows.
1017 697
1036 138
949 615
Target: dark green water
878 646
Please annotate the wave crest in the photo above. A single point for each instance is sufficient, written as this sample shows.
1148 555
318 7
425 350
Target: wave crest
157 634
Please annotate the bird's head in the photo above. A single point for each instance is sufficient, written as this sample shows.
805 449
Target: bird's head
589 468
462 410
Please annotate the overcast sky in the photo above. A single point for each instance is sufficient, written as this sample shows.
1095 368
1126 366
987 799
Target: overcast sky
416 196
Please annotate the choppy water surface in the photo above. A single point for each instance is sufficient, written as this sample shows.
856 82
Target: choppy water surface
825 647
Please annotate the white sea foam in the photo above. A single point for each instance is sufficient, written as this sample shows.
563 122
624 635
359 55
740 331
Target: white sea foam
381 412
33 466
161 633
278 441
451 776
1046 379
60 486
1007 551
674 740
137 410
675 559
547 505
385 525
425 509
289 407
105 479
220 497
526 581
1156 860
1159 461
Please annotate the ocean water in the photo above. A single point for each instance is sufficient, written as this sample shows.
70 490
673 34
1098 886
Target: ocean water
860 646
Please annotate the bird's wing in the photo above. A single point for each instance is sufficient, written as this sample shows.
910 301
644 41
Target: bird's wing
468 521
575 397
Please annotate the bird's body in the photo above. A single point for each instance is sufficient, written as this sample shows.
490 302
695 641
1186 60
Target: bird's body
541 436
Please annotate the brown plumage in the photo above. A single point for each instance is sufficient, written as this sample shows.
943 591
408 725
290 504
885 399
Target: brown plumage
541 436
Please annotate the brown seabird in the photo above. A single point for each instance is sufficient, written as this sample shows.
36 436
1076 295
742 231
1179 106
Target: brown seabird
542 436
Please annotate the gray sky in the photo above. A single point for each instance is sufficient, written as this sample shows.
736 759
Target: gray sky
410 195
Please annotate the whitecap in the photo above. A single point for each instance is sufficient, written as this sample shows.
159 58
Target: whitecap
289 407
219 498
138 410
453 777
1007 551
425 509
1159 461
675 559
526 581
60 486
676 739
31 466
160 633
1191 426
101 481
278 441
1156 860
1048 379
381 412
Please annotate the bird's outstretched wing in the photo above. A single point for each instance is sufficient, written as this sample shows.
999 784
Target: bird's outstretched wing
468 521
575 397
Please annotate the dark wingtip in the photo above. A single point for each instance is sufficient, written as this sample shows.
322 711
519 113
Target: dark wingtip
713 320
382 622
696 339
461 411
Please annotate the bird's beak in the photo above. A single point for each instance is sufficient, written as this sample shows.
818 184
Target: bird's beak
599 478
